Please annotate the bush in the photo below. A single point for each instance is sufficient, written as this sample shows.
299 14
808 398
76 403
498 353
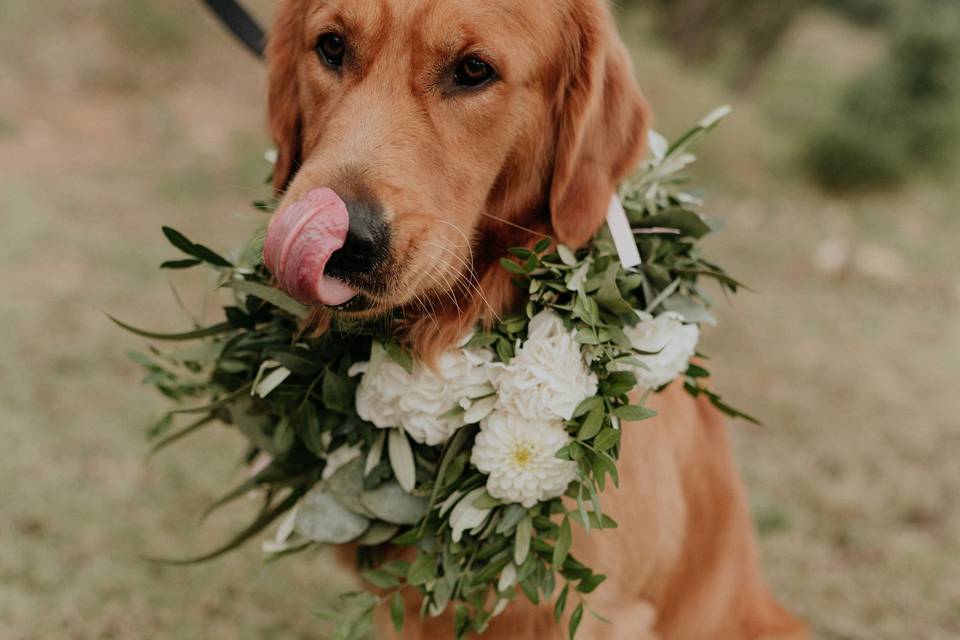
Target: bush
901 115
865 12
849 158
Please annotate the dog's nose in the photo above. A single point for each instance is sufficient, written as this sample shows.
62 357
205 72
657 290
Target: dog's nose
367 243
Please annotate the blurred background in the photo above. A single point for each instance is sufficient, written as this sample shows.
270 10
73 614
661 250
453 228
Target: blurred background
838 175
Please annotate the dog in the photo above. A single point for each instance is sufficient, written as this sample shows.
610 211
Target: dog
436 134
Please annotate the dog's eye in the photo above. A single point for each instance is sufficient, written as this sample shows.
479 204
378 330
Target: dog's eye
473 72
331 48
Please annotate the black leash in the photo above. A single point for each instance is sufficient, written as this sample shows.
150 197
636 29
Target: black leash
240 23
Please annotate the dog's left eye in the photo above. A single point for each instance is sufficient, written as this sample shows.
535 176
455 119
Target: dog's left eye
472 72
331 48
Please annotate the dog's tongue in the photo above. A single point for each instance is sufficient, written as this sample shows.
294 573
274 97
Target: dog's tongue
299 243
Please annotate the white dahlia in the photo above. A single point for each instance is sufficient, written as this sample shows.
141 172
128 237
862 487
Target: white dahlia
547 377
671 344
519 456
428 403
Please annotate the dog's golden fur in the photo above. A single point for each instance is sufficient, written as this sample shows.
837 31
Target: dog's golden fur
464 176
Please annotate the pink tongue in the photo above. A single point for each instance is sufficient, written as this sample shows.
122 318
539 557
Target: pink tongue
299 243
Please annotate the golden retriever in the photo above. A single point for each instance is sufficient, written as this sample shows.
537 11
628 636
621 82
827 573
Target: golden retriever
434 135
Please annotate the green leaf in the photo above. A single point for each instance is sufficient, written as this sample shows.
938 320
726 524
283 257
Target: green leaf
592 424
397 609
543 245
609 296
587 405
381 579
618 383
575 621
481 340
180 264
561 604
634 413
207 332
271 295
505 350
399 355
520 252
284 437
397 568
608 439
423 570
461 622
486 501
199 251
564 540
183 433
336 394
590 583
512 267
307 425
264 519
522 539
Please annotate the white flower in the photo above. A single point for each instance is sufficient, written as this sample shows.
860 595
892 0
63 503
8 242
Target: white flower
466 516
547 377
671 343
519 455
428 404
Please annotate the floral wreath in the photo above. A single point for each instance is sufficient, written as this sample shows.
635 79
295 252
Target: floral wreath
479 465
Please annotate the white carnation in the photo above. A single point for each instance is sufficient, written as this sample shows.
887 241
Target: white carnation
671 344
519 456
421 402
547 377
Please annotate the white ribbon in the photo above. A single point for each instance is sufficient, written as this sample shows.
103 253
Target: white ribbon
623 234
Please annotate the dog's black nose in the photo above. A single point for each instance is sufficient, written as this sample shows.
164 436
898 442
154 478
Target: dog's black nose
368 241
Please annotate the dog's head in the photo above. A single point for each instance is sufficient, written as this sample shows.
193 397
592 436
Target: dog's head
420 139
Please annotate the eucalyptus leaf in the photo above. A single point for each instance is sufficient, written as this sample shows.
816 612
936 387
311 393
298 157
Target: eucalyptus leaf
346 486
378 533
323 519
391 503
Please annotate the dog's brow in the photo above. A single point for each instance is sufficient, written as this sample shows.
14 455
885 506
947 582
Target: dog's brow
365 20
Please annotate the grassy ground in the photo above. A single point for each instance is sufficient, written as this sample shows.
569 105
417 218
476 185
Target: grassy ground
117 116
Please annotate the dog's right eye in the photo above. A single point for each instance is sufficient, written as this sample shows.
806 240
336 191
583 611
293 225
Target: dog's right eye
331 49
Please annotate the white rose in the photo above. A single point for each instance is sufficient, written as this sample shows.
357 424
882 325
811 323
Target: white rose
519 456
421 403
547 377
671 343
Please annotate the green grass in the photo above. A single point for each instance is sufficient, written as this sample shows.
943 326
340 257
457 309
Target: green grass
854 374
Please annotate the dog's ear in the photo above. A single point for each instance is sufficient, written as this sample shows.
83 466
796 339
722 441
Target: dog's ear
286 120
601 124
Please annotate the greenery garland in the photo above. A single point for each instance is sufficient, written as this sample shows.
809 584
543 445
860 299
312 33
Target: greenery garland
329 476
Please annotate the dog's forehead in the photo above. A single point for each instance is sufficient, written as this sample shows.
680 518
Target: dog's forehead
441 23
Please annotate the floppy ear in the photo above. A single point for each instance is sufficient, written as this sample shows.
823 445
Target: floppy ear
285 117
601 125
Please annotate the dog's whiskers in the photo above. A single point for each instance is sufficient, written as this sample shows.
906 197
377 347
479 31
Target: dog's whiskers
515 225
471 279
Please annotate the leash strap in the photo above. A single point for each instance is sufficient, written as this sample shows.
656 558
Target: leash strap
240 23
